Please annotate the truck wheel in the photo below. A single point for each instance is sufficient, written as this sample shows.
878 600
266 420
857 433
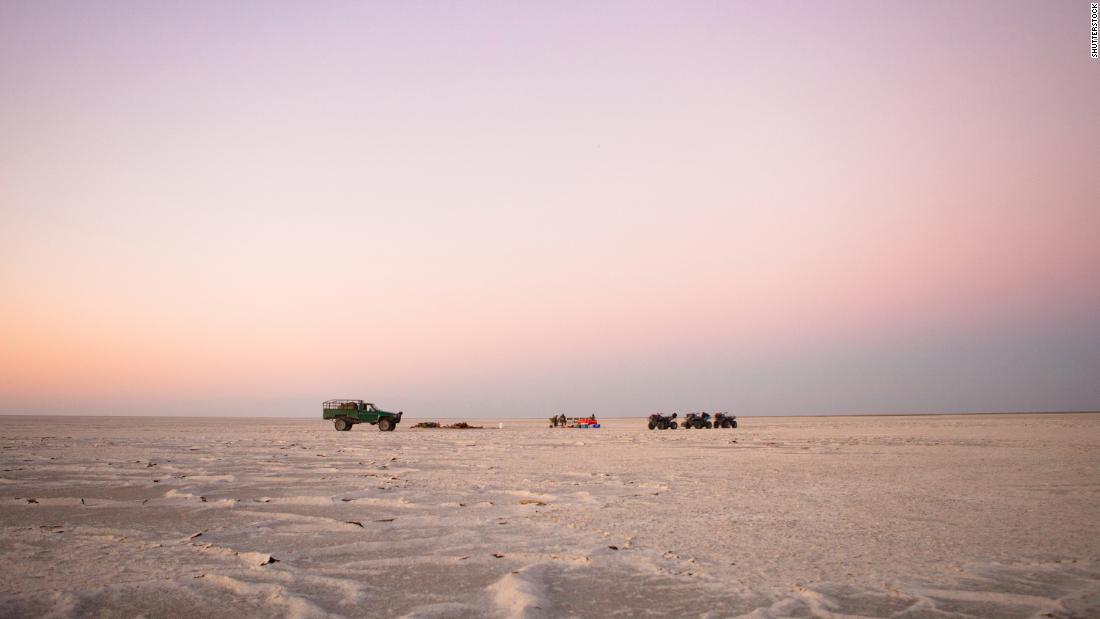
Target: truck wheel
342 424
672 424
385 424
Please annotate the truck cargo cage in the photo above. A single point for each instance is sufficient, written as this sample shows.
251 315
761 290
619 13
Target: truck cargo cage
342 404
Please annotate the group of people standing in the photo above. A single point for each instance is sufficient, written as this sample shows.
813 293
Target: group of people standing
561 421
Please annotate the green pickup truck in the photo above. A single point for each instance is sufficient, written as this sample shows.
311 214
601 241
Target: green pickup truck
347 413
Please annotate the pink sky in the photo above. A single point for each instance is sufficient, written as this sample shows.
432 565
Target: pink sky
516 209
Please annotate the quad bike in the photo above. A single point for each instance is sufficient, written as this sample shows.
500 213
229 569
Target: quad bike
697 421
725 420
657 421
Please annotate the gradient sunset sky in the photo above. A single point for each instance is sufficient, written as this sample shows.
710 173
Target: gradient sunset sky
519 208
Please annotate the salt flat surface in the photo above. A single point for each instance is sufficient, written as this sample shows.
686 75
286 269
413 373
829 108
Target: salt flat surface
987 516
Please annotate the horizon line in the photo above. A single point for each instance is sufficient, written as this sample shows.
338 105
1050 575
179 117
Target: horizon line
430 417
